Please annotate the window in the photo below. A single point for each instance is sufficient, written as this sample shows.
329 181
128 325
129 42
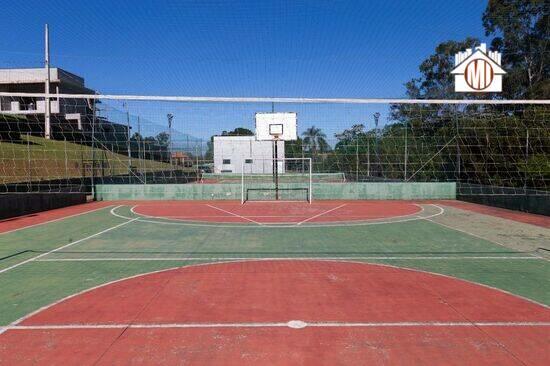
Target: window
227 171
248 161
226 161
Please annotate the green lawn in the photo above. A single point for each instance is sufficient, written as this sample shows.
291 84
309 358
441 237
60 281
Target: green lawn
35 158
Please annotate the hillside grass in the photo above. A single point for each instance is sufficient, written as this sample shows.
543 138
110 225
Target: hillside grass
35 158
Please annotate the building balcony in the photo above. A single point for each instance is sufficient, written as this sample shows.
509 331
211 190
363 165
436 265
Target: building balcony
24 108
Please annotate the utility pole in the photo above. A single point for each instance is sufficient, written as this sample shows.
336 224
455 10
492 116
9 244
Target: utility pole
170 117
47 110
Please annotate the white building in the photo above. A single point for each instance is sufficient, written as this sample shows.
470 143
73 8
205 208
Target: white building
231 153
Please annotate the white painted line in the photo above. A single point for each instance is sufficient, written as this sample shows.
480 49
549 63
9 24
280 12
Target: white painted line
66 245
283 258
54 220
295 324
280 225
386 265
321 214
234 214
278 201
480 237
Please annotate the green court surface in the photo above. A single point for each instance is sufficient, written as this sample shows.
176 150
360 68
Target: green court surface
45 263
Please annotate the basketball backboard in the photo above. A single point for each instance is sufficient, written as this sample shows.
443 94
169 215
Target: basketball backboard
279 126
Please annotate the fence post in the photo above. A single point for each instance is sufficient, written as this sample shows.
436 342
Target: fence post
458 162
29 157
526 162
128 143
406 150
357 159
66 163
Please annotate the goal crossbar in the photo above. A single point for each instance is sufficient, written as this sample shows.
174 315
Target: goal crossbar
279 181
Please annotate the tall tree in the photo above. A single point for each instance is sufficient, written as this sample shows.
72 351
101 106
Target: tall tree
163 138
522 33
436 81
315 140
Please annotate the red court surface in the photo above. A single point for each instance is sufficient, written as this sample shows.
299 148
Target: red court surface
239 313
276 212
19 222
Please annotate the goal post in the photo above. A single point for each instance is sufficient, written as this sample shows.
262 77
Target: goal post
282 179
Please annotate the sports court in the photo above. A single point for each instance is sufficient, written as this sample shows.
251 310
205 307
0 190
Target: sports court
120 282
290 183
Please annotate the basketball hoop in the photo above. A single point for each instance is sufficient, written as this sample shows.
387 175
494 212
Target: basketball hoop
276 130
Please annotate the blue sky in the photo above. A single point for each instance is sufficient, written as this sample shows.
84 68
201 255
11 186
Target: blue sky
307 48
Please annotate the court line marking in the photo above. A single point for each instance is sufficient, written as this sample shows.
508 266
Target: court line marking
360 219
321 214
234 214
385 265
282 226
480 237
53 220
67 245
289 324
281 258
192 222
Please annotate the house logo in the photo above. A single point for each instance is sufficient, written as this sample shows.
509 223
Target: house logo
478 71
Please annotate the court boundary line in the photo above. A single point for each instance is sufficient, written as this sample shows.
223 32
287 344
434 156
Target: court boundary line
482 238
215 259
289 324
321 214
47 306
233 214
197 222
67 245
54 220
413 217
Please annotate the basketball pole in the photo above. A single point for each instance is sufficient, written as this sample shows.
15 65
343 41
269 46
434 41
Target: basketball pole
276 168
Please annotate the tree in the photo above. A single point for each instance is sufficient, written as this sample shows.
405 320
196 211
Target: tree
136 137
163 138
436 81
315 140
522 33
239 131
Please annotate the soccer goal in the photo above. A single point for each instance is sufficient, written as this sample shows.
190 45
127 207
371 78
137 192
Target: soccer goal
277 180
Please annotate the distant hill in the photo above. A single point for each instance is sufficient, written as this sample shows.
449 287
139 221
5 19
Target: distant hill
35 158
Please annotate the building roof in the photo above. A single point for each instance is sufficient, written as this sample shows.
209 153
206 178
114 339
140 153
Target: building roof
38 75
179 155
233 138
